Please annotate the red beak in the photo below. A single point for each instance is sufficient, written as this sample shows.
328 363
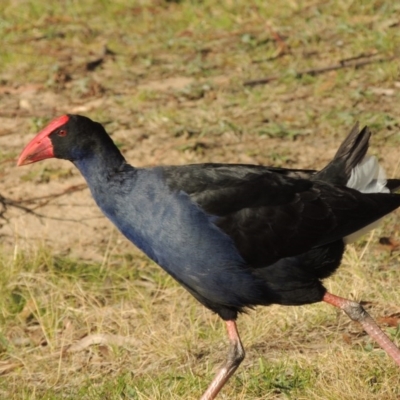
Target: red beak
36 150
40 147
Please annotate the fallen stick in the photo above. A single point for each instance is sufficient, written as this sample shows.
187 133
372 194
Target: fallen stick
318 71
6 203
101 339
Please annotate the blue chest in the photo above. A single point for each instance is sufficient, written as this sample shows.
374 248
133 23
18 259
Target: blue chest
166 225
173 231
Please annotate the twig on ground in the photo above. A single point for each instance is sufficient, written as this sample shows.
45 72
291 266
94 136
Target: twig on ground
102 339
8 366
317 71
44 200
5 203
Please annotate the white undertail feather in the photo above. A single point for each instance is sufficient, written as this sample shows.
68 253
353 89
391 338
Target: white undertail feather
367 177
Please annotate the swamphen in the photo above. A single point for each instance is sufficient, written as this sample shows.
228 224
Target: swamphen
235 236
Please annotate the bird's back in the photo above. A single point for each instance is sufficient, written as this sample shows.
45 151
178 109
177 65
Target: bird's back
274 224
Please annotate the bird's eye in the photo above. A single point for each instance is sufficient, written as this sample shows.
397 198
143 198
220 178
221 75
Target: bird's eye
62 133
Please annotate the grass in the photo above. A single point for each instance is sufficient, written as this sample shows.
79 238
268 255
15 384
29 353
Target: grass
172 92
49 303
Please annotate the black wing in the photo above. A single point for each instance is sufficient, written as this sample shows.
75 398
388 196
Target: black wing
272 213
271 216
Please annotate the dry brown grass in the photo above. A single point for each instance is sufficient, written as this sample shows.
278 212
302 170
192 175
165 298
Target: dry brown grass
173 93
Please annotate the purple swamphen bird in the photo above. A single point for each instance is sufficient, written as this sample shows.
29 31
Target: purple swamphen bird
234 235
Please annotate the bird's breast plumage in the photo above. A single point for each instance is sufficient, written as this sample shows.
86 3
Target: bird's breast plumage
179 236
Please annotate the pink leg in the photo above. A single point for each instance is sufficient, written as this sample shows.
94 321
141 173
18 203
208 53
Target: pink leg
357 313
235 357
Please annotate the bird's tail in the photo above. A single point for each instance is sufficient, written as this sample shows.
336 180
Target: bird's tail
351 166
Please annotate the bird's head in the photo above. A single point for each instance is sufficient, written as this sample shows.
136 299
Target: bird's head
70 137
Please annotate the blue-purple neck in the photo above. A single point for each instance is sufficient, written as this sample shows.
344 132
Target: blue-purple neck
99 167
